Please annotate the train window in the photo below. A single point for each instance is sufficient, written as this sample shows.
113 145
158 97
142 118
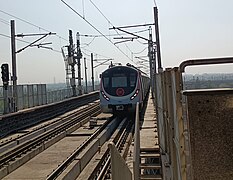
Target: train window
132 79
106 82
121 77
119 81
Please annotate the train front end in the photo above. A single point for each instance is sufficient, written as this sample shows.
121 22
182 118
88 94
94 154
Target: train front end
120 89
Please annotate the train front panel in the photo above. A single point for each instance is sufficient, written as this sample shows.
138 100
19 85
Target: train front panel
120 89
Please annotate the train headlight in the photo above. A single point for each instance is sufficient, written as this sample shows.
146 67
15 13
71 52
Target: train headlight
104 95
135 94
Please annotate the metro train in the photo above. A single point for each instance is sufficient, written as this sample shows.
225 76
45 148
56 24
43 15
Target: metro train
121 87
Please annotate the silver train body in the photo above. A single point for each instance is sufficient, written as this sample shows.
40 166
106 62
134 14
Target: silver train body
121 87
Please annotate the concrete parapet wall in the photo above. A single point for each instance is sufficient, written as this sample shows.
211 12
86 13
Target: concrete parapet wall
14 121
210 125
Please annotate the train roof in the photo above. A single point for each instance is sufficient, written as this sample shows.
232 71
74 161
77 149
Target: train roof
128 65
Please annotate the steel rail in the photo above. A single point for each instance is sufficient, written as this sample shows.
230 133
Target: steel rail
25 147
104 158
104 170
47 126
101 169
29 117
70 159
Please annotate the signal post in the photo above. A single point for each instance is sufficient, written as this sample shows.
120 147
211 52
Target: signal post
5 80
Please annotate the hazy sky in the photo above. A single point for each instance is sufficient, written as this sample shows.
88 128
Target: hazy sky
188 29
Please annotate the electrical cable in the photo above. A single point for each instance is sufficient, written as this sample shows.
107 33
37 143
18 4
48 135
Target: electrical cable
4 21
112 25
4 35
95 53
27 42
117 31
96 29
27 22
141 50
88 44
118 34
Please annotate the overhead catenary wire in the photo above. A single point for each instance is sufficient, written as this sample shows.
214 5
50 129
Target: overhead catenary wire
4 35
60 37
97 36
27 22
83 52
121 33
141 42
7 36
4 21
41 28
88 44
90 51
89 59
141 51
109 35
96 29
110 24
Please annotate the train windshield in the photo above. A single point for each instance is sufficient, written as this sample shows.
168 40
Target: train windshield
119 81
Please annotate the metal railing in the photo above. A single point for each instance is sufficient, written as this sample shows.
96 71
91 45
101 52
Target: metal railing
172 117
136 152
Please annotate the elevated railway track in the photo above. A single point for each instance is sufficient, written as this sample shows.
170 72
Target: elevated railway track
18 149
72 145
189 125
25 118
